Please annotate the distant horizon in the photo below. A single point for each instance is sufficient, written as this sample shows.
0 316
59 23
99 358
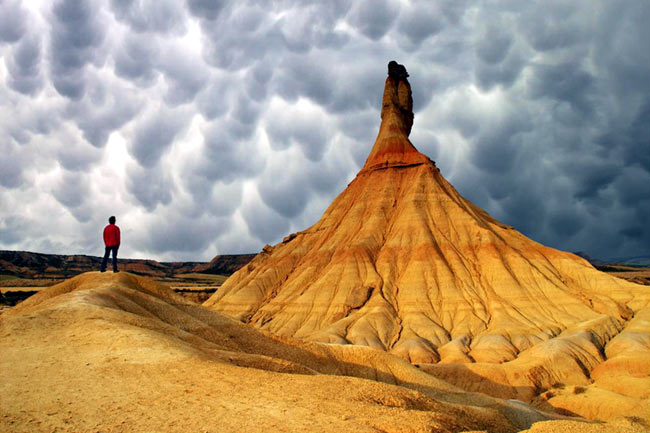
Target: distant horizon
608 260
124 258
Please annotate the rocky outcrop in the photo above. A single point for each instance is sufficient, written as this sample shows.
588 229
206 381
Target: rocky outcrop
401 262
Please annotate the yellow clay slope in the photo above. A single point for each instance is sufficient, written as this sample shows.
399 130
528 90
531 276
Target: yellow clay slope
120 353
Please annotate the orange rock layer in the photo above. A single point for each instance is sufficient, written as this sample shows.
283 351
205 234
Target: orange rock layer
401 262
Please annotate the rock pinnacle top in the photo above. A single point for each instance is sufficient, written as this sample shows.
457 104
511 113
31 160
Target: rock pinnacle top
392 146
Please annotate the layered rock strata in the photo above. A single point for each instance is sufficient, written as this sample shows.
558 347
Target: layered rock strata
401 262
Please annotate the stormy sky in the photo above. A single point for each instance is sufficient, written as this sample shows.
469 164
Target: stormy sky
213 127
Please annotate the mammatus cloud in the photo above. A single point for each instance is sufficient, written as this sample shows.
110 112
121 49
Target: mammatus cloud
215 127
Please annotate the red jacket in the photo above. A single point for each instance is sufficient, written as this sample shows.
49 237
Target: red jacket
112 235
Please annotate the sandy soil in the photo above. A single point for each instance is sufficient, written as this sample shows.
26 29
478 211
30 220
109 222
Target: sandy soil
120 353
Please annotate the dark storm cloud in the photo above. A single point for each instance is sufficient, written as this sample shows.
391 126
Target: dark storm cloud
298 76
208 125
493 43
13 20
227 156
76 33
289 183
245 111
305 130
284 196
256 82
136 58
635 139
363 127
208 9
13 229
552 25
104 109
499 144
374 18
362 90
566 223
215 198
155 133
591 175
30 120
633 186
263 222
77 155
418 21
25 66
568 82
500 59
251 35
184 75
307 26
11 166
150 185
72 191
214 99
164 16
178 233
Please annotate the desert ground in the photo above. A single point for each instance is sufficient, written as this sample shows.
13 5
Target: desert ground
123 353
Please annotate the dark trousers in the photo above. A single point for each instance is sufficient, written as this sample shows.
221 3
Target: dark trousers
105 261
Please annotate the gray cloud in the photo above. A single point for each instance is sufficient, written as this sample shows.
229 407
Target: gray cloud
568 82
252 34
419 21
263 223
155 133
72 191
76 34
177 233
214 99
306 26
77 155
219 126
184 75
13 20
227 153
13 229
104 109
307 130
11 166
208 9
25 66
555 27
163 16
151 186
374 18
284 187
136 58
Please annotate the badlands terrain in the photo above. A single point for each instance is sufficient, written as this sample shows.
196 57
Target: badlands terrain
405 308
122 353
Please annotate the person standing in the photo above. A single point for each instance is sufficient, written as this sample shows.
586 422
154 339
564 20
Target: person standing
112 243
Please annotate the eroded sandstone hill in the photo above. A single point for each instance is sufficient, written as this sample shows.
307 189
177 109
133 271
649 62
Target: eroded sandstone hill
122 353
400 261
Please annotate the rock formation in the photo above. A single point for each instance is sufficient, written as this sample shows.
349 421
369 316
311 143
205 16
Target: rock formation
118 352
401 262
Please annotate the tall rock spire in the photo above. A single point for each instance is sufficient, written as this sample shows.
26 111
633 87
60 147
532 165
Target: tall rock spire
400 261
392 146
